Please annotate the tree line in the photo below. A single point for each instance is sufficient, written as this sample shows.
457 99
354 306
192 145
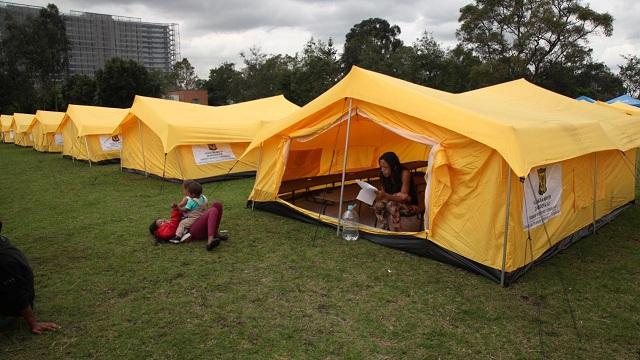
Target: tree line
543 41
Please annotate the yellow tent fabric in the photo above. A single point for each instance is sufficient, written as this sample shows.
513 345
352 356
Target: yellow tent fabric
20 126
87 132
478 144
509 117
622 106
178 141
7 133
44 133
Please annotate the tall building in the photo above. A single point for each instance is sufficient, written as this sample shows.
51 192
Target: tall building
95 38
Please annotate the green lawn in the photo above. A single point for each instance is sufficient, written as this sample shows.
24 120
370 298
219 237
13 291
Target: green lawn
277 291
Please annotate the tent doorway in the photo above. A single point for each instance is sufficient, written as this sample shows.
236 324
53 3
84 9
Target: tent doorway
316 164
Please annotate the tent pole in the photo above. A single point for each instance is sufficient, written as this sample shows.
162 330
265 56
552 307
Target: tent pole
164 167
253 202
595 188
344 168
144 160
87 147
121 146
506 229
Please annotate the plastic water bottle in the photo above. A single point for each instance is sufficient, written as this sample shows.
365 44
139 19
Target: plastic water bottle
350 224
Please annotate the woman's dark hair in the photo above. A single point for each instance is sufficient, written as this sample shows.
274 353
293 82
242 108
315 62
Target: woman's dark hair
153 227
393 183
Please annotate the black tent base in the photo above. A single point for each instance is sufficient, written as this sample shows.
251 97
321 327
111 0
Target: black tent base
230 176
427 248
101 162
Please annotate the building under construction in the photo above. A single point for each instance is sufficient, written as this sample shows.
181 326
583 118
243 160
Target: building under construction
96 38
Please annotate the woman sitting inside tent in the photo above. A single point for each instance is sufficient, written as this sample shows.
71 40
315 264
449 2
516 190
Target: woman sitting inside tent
397 196
206 227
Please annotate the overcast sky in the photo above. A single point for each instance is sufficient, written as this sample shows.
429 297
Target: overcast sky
212 32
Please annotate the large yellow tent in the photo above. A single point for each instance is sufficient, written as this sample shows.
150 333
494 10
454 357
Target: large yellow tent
45 137
7 133
20 127
87 133
177 141
512 174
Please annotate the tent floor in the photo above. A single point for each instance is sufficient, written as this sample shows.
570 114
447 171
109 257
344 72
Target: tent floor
327 202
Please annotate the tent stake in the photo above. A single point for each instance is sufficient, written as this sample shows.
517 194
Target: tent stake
344 169
595 188
506 230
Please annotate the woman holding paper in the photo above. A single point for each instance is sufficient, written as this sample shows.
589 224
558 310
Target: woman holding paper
397 196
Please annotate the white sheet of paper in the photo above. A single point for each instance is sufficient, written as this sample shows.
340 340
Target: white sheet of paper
367 193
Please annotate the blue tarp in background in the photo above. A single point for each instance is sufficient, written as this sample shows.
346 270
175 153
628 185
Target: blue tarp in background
625 99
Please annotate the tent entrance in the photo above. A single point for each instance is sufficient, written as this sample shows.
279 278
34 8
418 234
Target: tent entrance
314 167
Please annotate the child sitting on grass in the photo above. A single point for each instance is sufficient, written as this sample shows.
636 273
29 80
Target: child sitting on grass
192 207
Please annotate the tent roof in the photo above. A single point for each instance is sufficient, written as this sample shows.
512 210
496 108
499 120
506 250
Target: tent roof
179 123
23 121
622 106
625 99
528 125
93 120
5 121
585 98
49 119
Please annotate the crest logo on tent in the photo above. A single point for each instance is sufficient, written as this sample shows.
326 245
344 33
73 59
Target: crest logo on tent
115 138
542 181
212 147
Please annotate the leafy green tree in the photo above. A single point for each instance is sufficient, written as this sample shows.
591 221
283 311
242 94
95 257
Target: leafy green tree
224 84
630 75
43 47
314 71
17 92
120 80
80 90
265 75
183 75
371 44
525 38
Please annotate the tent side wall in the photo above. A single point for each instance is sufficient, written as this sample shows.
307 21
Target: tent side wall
180 162
612 173
55 142
96 151
39 137
8 136
71 146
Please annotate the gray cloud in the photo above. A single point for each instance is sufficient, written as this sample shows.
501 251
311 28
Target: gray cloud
215 31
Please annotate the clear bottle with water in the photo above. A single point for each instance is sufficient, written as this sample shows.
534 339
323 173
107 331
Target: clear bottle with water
350 224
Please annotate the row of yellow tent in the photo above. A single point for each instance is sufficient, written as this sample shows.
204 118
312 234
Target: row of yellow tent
514 172
159 137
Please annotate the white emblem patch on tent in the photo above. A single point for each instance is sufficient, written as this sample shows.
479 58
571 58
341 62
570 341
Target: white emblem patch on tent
542 195
12 135
31 136
58 139
212 153
110 143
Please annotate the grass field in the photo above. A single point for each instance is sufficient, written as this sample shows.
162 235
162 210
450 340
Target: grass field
275 290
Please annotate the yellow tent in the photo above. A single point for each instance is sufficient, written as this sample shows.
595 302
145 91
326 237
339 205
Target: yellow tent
87 133
500 163
20 127
45 137
622 106
7 133
177 141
